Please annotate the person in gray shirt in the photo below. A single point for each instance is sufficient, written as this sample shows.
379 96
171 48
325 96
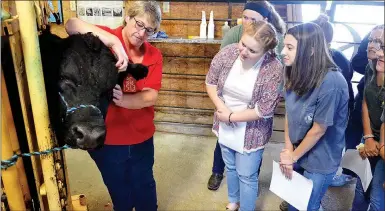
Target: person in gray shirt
317 98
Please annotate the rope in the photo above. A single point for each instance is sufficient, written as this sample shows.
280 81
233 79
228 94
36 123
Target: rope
12 161
72 109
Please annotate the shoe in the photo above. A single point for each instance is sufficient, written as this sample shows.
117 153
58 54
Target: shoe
215 181
341 180
232 206
284 206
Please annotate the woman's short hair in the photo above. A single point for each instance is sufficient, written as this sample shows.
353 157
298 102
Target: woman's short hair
273 17
326 26
263 32
312 61
151 9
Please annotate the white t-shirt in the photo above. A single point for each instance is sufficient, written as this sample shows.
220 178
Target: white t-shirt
237 93
239 85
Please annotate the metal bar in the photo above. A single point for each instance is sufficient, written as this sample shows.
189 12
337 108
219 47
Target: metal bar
10 176
15 146
229 13
18 64
28 32
369 3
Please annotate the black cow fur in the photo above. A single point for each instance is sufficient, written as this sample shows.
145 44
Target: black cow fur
83 70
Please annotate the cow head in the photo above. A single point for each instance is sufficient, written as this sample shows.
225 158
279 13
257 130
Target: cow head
87 75
80 74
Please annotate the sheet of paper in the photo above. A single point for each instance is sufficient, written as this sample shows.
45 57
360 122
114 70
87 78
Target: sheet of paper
232 137
353 161
296 191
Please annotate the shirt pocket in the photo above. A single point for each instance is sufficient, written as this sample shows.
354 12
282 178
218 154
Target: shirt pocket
307 115
305 121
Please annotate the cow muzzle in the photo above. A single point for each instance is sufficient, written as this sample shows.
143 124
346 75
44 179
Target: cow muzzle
87 137
88 131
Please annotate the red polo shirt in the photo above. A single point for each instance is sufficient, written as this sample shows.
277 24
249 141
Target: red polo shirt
134 126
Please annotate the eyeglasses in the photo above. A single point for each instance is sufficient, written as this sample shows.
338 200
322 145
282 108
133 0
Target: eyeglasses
376 44
140 26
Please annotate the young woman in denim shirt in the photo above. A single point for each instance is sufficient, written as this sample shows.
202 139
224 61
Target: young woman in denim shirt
372 108
317 98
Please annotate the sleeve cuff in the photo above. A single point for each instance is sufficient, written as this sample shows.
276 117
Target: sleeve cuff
256 109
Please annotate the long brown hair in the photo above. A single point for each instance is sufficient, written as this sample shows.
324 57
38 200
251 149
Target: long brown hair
312 60
273 17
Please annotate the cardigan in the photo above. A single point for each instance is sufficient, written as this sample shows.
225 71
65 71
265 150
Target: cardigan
266 93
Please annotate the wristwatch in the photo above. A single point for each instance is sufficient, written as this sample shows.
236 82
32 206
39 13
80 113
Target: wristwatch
368 136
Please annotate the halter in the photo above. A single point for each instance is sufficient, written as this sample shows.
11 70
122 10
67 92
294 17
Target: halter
73 109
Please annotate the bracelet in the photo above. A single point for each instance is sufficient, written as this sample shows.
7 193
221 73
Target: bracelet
379 149
229 117
368 136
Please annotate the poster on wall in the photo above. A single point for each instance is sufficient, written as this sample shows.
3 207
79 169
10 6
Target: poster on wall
106 13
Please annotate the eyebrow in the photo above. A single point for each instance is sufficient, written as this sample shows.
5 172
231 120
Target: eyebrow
144 25
249 47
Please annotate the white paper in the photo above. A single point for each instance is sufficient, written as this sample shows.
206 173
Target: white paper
353 161
232 137
296 191
106 13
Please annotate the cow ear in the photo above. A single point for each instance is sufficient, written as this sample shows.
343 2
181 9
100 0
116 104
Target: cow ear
93 42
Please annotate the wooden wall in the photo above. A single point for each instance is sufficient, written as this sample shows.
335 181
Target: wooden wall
193 10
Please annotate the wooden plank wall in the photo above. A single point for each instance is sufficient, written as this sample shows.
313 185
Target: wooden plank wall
176 28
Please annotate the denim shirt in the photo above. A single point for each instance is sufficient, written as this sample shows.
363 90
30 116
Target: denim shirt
326 105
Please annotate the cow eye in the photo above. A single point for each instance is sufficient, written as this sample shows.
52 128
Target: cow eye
66 84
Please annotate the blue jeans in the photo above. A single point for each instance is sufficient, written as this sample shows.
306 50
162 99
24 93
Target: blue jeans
375 199
218 164
242 176
127 173
321 183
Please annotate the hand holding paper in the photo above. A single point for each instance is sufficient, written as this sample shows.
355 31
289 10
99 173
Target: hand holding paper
296 191
353 161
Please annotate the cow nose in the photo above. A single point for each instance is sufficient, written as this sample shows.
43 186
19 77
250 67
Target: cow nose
88 137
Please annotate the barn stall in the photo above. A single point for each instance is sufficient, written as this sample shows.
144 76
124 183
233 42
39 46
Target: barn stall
183 114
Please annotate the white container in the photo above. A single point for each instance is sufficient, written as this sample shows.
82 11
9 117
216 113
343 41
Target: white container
225 29
211 26
203 26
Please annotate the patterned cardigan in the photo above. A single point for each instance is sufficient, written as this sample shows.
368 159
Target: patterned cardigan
265 95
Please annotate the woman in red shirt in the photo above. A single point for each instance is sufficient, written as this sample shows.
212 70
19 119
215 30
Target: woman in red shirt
126 161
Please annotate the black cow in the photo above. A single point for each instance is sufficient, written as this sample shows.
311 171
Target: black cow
80 73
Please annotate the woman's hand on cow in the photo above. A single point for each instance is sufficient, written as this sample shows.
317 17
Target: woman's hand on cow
119 53
118 96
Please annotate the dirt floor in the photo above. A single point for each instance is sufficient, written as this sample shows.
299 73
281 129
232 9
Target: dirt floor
182 168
